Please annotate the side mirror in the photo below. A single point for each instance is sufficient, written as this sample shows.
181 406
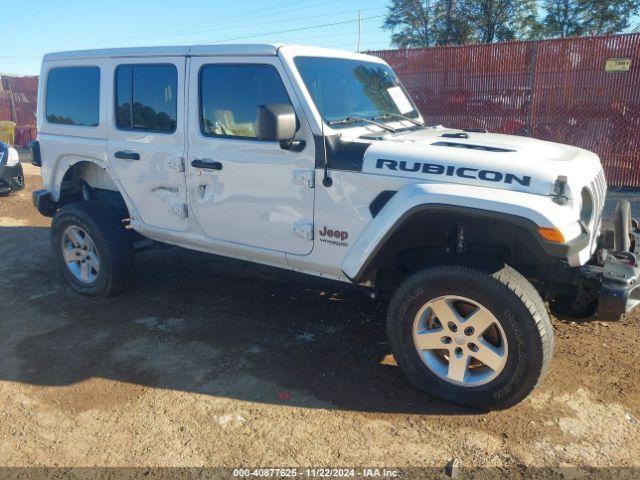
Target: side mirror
276 123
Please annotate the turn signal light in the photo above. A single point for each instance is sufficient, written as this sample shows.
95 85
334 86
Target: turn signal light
551 234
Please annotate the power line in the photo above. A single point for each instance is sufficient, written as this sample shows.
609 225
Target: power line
313 27
288 40
275 8
234 24
235 27
296 29
319 37
176 28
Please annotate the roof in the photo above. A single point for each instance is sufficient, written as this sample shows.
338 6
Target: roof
170 51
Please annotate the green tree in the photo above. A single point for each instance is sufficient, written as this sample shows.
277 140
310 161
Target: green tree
447 16
423 23
608 16
499 20
563 18
412 23
569 18
451 23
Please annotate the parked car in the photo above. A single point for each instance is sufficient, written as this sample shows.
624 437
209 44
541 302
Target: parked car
318 161
11 176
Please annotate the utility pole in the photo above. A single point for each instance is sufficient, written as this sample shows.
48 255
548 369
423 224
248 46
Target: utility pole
359 28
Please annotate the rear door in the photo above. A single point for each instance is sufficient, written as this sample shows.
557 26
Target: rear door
147 139
257 194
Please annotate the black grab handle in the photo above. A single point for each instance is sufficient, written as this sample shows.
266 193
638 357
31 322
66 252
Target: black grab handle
206 164
127 155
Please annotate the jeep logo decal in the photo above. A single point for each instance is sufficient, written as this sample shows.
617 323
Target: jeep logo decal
451 171
334 237
337 234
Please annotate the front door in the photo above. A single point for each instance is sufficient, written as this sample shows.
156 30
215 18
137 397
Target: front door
146 145
243 190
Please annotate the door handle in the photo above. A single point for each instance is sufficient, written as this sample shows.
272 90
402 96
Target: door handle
207 164
127 155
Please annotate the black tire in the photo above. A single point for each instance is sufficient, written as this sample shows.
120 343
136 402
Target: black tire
512 300
112 242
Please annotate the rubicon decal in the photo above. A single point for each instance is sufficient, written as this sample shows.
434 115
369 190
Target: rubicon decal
453 171
334 236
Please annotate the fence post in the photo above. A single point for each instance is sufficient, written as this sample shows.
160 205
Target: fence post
528 129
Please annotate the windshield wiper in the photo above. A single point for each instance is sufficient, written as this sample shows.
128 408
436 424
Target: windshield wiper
355 118
402 117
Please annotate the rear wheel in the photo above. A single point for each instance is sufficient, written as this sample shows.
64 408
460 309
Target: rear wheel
92 248
470 336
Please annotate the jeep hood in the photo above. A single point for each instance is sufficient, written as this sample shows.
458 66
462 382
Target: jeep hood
483 159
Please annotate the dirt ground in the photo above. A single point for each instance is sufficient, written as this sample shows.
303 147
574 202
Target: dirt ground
212 362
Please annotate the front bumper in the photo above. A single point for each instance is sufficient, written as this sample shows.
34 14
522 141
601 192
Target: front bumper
617 278
43 203
619 287
11 179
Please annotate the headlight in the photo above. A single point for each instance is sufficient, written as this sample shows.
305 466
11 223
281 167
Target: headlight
4 154
586 210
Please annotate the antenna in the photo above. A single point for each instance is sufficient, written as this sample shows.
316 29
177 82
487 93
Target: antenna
326 179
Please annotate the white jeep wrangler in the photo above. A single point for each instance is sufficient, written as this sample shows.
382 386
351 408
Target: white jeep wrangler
318 161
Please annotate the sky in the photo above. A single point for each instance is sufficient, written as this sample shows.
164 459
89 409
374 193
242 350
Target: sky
28 31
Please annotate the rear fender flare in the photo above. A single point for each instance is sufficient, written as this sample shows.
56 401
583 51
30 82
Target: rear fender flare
68 162
64 165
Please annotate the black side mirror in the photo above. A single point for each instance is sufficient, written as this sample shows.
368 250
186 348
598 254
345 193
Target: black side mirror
276 123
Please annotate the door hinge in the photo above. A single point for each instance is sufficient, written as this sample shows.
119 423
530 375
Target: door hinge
304 229
181 210
179 165
305 178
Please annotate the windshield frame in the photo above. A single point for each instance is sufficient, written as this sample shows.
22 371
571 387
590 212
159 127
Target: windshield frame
342 121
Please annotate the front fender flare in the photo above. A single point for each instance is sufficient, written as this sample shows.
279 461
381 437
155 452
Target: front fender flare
524 209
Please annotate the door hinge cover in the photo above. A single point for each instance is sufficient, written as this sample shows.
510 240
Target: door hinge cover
179 165
304 229
181 210
305 178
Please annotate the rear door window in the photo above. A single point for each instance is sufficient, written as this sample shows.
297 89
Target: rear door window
73 96
146 98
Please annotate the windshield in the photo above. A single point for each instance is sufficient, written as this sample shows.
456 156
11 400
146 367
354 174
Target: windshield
343 89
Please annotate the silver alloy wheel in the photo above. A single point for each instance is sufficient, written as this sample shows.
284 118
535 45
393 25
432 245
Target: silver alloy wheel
80 255
460 340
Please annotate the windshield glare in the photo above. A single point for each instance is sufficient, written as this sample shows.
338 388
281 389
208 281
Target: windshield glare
343 88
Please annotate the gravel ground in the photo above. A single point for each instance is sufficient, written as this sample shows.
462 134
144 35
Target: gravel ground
213 362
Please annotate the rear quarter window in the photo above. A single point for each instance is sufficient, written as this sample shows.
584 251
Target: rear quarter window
73 96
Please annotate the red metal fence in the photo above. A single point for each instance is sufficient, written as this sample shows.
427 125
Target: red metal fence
18 104
555 90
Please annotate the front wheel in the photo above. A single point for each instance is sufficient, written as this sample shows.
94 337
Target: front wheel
471 336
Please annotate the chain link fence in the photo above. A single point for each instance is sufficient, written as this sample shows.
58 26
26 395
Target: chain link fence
579 91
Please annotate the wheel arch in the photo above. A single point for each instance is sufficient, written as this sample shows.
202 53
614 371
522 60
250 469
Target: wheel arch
422 217
80 178
65 168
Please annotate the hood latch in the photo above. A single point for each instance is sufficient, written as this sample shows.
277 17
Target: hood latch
560 190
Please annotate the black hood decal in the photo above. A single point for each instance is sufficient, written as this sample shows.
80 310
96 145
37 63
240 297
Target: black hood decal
342 154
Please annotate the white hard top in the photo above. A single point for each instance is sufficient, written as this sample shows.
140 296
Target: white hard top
171 51
258 49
